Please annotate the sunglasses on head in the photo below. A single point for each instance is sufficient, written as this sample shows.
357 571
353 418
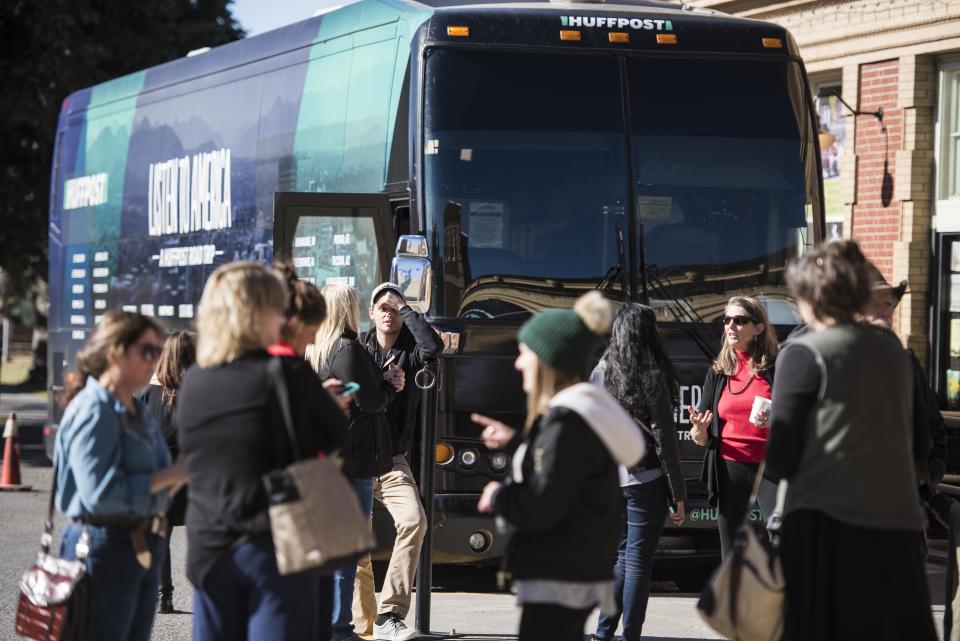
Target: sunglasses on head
740 321
149 351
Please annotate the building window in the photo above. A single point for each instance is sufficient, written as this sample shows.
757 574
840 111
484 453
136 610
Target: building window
832 122
950 149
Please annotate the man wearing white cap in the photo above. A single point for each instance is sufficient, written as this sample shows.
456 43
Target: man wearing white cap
400 342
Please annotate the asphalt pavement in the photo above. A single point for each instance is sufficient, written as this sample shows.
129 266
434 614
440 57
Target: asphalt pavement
465 604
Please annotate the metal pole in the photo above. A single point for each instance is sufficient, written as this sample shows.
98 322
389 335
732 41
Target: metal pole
428 432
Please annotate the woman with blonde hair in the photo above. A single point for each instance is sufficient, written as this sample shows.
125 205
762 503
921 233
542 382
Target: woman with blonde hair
743 372
114 478
336 353
232 434
563 498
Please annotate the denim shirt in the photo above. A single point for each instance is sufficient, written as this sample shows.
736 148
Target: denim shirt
105 455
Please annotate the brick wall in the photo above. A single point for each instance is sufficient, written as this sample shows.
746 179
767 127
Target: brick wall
877 226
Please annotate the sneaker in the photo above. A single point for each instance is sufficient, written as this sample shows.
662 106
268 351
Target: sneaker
394 629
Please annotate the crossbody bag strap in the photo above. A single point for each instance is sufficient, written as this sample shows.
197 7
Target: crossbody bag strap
275 370
46 540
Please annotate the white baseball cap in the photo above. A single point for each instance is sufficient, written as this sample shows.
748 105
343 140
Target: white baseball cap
381 288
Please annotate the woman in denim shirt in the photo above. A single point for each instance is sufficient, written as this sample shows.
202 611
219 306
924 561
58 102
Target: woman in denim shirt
114 477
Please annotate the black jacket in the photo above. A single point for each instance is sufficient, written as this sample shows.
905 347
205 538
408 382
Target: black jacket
232 433
368 451
154 397
929 429
713 387
663 444
416 344
567 511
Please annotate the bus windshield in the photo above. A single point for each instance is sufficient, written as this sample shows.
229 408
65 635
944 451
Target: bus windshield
529 174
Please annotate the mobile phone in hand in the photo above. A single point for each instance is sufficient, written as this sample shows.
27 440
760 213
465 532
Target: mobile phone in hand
350 388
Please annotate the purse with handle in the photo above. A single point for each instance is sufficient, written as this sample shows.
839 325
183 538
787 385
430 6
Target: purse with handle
53 599
315 515
744 599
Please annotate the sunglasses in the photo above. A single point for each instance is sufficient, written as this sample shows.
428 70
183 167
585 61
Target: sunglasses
740 321
149 351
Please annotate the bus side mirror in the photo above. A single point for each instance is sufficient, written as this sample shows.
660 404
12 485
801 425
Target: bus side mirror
411 270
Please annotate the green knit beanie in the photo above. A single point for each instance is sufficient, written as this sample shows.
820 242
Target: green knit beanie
569 340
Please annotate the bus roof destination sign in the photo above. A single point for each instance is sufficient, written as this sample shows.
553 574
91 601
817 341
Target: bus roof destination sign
644 24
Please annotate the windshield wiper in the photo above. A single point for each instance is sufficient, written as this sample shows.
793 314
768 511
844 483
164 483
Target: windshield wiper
614 272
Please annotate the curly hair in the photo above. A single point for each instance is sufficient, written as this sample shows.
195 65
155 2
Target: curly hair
637 370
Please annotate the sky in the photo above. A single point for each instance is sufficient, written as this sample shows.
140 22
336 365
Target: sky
258 16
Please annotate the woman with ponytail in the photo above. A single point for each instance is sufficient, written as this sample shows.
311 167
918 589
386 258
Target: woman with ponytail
563 499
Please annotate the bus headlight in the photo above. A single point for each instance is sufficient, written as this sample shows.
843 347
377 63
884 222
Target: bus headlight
468 457
443 453
499 461
480 541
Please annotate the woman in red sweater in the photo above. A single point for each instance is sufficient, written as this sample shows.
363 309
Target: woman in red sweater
735 444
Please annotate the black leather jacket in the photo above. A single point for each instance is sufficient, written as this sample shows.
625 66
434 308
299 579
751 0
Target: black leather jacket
368 451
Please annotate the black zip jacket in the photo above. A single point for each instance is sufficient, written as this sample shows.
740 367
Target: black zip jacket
567 511
367 452
416 344
713 387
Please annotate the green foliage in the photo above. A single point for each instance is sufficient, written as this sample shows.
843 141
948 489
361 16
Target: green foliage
51 48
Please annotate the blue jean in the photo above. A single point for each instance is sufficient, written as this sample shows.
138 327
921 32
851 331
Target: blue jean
646 516
343 580
122 595
243 597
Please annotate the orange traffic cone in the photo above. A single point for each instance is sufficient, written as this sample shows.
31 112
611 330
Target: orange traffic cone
10 480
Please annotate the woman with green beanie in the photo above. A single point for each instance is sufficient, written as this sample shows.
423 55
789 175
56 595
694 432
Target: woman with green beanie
563 498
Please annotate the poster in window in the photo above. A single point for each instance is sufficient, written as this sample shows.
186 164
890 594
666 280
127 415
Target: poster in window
486 224
955 256
955 292
953 389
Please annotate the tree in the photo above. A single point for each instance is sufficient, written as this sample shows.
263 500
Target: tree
51 48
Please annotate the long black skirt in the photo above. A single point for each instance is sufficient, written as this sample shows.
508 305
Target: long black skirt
846 583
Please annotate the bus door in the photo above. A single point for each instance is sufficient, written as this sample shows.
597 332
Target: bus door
336 238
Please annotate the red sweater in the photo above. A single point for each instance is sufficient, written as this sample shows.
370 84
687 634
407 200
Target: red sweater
741 440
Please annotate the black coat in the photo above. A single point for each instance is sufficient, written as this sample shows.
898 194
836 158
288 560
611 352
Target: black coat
567 511
416 344
368 451
154 397
713 387
232 433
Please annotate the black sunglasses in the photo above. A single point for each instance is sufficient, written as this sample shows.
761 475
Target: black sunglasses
149 351
739 320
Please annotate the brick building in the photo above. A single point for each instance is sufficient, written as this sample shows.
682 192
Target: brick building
895 186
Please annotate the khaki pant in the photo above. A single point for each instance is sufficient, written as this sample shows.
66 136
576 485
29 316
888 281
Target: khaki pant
397 491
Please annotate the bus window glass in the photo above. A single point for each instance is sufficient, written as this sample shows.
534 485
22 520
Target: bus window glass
525 178
721 182
338 249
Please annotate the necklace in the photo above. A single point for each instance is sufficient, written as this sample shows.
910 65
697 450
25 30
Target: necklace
745 386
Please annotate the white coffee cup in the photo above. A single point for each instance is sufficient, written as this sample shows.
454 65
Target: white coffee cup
760 405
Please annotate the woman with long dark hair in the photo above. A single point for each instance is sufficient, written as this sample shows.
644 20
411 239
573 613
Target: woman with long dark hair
743 372
636 370
179 353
